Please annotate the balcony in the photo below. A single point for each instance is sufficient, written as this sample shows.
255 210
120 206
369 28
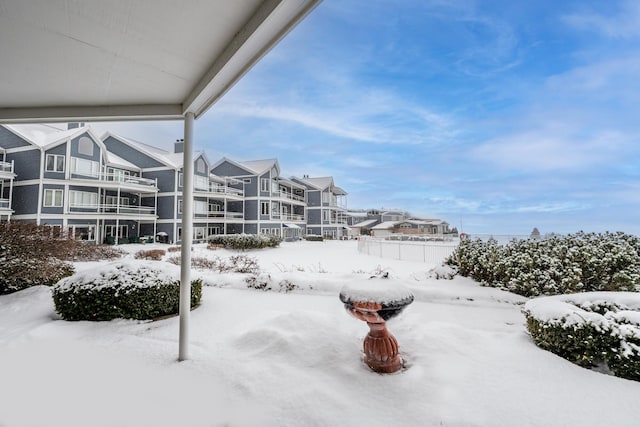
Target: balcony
116 179
287 195
5 204
6 170
220 215
287 216
113 209
219 190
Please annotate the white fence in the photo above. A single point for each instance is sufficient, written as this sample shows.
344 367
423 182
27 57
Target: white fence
429 252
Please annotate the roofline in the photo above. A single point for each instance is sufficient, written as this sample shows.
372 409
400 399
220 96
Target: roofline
130 143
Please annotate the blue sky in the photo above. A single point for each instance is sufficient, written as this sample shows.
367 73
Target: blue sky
496 116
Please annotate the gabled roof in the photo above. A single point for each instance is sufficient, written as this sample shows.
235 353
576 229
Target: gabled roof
113 160
386 225
158 154
260 167
291 183
46 136
364 223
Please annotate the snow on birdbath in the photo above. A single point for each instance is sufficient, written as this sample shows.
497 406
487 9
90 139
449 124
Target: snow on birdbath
375 301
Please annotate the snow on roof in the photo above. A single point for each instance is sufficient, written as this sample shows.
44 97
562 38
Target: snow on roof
163 156
364 223
44 135
114 160
386 225
291 183
260 166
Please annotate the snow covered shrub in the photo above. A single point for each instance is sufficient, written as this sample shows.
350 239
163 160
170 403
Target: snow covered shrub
235 263
245 241
118 290
263 282
581 262
174 249
151 255
313 238
30 255
589 329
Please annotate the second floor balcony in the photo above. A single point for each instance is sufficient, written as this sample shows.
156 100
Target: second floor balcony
5 204
6 170
112 209
220 215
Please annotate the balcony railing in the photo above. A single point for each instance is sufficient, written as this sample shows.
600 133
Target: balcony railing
5 204
220 215
220 190
6 167
116 178
287 216
287 195
112 209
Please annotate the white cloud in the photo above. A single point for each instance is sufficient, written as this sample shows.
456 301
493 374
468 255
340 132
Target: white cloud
624 23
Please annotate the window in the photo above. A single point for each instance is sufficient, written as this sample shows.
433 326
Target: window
83 199
179 206
55 163
200 183
85 167
326 216
264 208
180 179
265 185
118 175
85 146
201 166
199 207
113 231
53 198
113 200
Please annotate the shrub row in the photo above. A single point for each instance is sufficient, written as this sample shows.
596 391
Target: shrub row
121 291
313 238
589 329
245 241
581 262
235 263
151 255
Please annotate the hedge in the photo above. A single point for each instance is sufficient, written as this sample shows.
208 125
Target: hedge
581 262
245 241
589 329
117 290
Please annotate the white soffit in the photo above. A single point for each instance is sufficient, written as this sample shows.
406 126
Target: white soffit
65 60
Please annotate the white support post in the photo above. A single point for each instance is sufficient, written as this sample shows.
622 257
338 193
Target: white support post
187 236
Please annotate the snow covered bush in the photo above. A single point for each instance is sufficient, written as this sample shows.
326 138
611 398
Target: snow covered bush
30 255
235 263
264 282
581 262
589 329
151 255
245 241
122 290
313 238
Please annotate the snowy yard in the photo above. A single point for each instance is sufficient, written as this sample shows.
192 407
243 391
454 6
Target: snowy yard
294 359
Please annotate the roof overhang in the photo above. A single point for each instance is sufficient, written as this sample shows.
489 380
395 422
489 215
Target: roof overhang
131 60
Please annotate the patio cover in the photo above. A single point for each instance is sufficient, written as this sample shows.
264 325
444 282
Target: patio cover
65 60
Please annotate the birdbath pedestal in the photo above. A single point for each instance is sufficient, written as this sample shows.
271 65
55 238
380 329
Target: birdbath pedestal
375 301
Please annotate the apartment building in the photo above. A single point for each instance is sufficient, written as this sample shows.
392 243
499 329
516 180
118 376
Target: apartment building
326 206
273 204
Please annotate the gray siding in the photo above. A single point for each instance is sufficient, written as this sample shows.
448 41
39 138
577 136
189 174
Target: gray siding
314 216
25 199
131 154
165 207
251 209
227 169
251 188
27 164
251 228
314 198
9 139
166 179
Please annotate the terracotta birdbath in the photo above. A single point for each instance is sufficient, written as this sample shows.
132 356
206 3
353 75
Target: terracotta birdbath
375 301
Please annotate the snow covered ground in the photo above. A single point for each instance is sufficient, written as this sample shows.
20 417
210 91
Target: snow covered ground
294 359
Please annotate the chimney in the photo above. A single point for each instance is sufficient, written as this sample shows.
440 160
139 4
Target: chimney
179 146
